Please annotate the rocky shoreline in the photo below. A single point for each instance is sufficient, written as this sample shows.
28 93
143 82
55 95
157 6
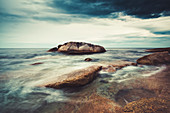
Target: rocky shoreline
138 95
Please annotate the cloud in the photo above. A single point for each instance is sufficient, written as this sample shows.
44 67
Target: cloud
104 8
143 8
68 11
7 17
157 27
162 32
111 23
36 10
134 32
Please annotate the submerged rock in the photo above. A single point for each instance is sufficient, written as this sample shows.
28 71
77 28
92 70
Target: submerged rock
158 50
38 63
155 59
90 102
104 81
109 69
157 85
132 93
115 65
76 78
80 48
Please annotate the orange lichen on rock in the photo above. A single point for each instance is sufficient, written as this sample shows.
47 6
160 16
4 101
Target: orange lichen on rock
147 105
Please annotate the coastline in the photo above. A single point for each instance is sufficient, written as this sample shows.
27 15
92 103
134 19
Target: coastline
117 97
114 97
148 93
119 87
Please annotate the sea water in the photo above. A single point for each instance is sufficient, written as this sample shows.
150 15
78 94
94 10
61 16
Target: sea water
19 80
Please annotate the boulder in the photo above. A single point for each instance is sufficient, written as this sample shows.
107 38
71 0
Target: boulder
158 50
88 59
53 49
157 58
76 78
80 48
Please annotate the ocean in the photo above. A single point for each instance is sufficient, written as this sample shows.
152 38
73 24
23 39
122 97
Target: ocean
19 80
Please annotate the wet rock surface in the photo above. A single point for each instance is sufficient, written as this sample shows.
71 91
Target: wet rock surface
76 78
154 89
125 96
140 95
113 66
88 59
149 94
157 58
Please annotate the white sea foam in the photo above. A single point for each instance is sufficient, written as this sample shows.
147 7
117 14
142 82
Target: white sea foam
156 71
130 72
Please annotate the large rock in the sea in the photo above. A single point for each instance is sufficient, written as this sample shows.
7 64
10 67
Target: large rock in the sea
76 78
157 58
80 48
158 50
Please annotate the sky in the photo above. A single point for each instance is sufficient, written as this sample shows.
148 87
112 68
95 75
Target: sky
110 23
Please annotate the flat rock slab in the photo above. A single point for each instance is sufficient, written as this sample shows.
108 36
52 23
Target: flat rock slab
76 78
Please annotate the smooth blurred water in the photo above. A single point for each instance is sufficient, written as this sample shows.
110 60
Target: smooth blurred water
19 79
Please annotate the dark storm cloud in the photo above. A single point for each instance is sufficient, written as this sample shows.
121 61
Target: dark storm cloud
104 8
144 8
162 32
8 17
87 7
62 19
